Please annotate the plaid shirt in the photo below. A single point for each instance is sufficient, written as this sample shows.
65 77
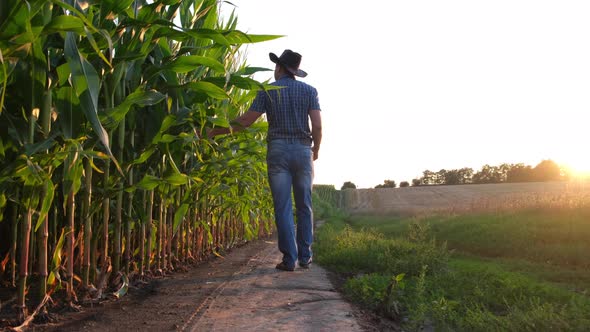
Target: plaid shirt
287 109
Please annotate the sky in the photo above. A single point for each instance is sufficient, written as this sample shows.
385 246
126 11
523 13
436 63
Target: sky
408 86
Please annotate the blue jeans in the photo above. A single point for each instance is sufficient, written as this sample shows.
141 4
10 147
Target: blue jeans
290 168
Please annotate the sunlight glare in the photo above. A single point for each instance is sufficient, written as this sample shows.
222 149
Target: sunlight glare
578 165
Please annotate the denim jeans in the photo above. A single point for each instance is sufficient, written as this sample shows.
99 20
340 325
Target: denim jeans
290 168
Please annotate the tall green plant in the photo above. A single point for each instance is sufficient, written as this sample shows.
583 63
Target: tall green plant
150 77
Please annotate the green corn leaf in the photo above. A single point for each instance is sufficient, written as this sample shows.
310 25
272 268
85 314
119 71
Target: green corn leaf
49 192
76 12
168 122
109 7
94 45
87 87
179 215
177 179
171 161
245 83
209 89
63 73
247 71
39 73
196 178
249 233
72 172
239 37
149 182
170 2
56 260
189 34
111 118
29 173
167 138
149 13
2 205
144 156
64 23
31 149
84 77
187 63
4 80
219 121
68 106
19 15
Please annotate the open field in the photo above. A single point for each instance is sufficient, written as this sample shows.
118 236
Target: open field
497 257
512 271
427 199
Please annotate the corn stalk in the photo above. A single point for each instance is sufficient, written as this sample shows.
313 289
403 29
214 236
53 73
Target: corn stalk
120 67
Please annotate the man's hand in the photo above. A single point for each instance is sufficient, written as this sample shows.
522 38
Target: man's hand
238 124
316 131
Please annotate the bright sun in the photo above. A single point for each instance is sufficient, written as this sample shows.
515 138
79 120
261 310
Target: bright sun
578 165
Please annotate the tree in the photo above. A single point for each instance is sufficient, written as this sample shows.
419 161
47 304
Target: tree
465 175
428 177
404 184
547 170
488 174
439 177
416 182
348 185
452 177
387 184
520 173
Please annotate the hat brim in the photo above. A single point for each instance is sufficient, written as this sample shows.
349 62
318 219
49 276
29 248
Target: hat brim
273 57
297 72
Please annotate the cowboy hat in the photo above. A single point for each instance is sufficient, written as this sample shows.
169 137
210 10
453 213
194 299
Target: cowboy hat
289 60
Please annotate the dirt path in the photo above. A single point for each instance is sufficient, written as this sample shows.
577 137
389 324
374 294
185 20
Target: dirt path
243 291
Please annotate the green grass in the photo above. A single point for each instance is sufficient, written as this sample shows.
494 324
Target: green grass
557 237
517 271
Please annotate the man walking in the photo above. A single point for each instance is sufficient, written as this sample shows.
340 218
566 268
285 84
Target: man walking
292 147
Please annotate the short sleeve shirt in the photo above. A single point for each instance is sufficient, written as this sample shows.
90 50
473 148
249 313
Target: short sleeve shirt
287 109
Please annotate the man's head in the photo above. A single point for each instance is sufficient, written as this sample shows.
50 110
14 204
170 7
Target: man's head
289 61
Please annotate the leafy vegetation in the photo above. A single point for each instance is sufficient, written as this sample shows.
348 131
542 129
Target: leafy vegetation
103 175
518 271
546 170
553 236
387 184
348 185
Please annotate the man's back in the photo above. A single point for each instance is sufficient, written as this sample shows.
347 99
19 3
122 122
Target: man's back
287 109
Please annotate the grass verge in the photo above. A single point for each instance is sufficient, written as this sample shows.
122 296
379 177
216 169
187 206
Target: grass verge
512 271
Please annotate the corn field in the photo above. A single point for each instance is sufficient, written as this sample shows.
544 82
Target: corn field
103 176
328 194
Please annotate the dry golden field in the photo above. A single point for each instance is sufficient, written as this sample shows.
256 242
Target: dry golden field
458 198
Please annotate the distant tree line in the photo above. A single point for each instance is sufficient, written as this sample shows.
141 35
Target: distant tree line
392 184
348 185
387 184
546 170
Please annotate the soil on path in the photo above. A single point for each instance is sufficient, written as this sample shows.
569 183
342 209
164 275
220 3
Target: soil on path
241 291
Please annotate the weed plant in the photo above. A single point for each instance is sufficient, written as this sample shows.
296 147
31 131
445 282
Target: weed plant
368 251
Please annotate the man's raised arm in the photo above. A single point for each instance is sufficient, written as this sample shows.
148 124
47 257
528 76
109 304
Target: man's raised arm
239 123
